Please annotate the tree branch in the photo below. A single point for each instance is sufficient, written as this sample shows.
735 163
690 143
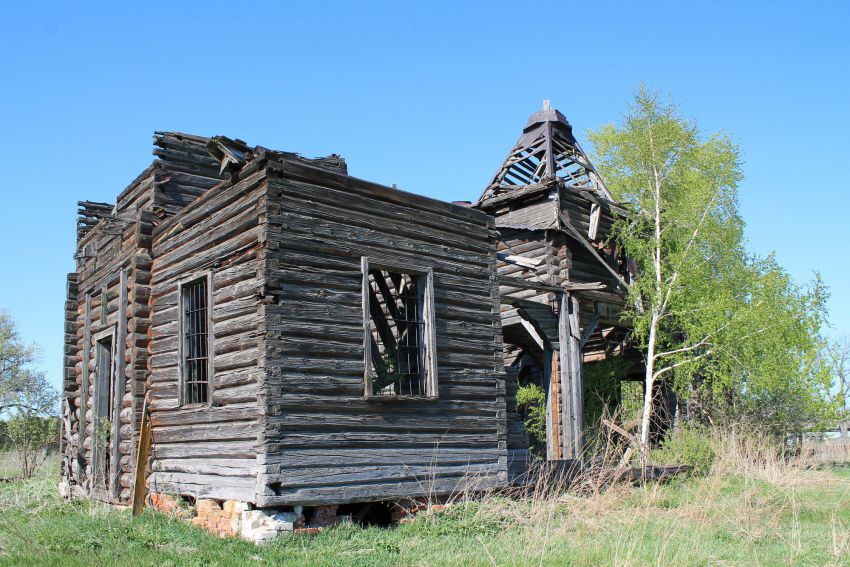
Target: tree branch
682 363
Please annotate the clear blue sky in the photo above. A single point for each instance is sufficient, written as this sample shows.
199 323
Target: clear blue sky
428 96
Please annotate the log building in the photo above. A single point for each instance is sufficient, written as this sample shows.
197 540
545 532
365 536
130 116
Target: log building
301 337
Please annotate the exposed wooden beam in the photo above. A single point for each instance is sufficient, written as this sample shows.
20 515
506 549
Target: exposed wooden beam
509 281
532 332
593 226
519 260
585 336
573 231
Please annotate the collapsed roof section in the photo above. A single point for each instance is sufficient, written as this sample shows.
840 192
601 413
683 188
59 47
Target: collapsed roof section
546 151
232 154
185 167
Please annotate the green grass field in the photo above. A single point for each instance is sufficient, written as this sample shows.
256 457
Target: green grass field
740 514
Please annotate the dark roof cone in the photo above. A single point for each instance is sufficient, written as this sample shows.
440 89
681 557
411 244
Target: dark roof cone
546 151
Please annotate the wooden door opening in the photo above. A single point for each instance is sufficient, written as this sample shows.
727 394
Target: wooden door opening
103 401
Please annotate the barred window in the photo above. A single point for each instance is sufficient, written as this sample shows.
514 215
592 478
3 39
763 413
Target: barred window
195 367
398 324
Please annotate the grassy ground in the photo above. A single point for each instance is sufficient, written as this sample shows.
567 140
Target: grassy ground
746 511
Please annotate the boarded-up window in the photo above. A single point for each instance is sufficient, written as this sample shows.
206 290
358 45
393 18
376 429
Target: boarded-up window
195 367
398 325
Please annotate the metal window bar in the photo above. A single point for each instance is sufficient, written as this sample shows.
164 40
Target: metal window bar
400 370
195 342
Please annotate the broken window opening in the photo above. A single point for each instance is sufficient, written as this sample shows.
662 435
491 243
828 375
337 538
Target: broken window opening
398 322
195 360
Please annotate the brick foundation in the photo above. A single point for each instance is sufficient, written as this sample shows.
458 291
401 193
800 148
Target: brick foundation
232 518
221 519
169 504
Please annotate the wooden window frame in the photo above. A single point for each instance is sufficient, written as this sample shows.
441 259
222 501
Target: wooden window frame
430 343
181 343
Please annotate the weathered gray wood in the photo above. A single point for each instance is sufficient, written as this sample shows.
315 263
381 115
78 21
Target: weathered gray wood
593 229
568 408
367 333
429 316
138 498
583 241
120 349
589 330
84 388
571 375
287 336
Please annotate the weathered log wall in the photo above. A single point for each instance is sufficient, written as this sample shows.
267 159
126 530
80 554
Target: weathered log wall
185 171
110 289
537 247
70 389
105 280
209 450
287 420
539 213
325 443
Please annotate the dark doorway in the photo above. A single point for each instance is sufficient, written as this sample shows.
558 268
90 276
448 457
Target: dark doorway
102 425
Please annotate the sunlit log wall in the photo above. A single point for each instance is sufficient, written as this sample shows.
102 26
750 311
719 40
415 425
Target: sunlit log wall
323 442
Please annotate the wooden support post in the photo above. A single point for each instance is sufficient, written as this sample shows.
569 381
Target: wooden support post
551 378
118 387
569 338
576 375
567 407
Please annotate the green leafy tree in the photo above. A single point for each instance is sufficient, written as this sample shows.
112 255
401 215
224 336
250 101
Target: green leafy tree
22 389
27 401
705 314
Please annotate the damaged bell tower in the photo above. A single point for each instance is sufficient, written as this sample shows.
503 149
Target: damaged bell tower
562 284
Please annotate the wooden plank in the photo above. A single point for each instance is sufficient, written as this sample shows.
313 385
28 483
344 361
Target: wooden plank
520 283
142 453
432 388
119 385
367 333
593 229
532 332
519 260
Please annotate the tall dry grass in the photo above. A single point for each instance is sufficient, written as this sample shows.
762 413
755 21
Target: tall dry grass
754 499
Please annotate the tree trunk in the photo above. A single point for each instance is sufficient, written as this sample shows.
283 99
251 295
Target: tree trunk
649 382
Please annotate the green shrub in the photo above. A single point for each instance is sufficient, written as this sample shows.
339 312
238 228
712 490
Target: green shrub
687 445
33 438
531 406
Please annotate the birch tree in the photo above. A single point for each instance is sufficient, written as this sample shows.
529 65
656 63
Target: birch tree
703 310
685 230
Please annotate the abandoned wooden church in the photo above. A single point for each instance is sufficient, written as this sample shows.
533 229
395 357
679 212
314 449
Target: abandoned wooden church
302 339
